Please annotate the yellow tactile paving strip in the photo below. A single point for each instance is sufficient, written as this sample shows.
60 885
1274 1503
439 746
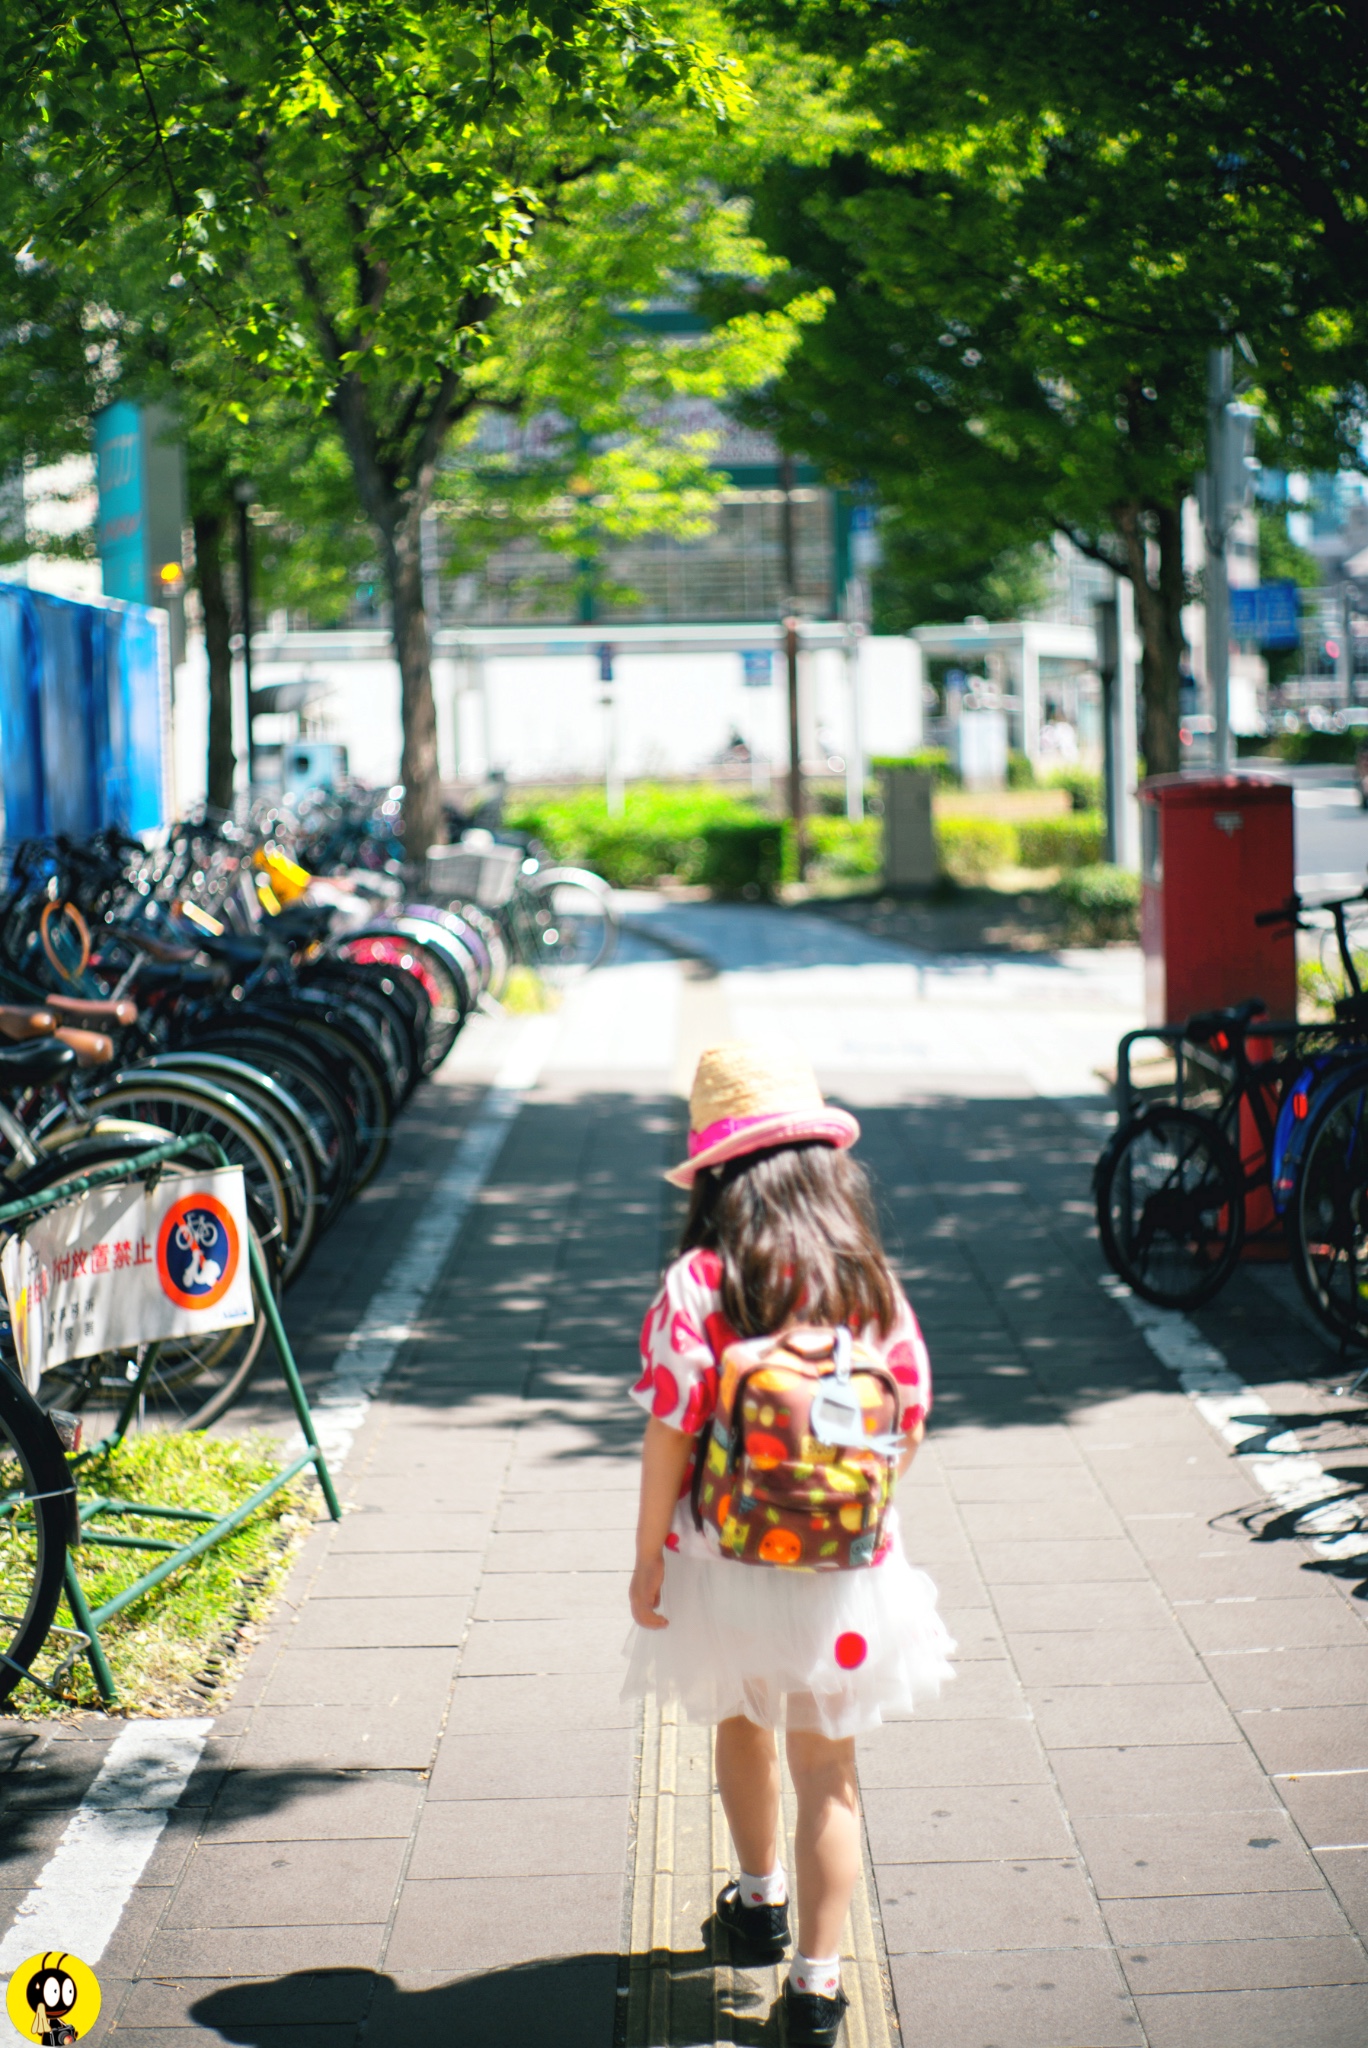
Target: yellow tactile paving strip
682 1991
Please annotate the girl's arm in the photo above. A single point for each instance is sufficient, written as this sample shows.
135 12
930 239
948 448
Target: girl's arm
913 1440
664 1461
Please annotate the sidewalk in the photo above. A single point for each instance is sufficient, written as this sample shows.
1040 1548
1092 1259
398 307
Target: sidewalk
1138 1815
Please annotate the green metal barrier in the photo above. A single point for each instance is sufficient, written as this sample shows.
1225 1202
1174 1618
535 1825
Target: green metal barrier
89 1621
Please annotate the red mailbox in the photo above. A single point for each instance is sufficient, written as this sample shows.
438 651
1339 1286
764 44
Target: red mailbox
1214 852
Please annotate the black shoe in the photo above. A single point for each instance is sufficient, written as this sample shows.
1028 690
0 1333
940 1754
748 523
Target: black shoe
763 1930
811 2021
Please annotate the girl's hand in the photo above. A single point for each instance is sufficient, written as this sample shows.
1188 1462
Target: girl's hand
644 1592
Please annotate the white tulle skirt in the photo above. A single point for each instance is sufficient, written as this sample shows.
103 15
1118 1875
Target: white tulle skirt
836 1652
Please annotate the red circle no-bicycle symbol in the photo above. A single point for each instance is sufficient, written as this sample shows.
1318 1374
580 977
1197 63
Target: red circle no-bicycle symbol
197 1251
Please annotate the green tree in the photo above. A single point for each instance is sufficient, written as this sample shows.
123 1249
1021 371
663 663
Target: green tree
1028 266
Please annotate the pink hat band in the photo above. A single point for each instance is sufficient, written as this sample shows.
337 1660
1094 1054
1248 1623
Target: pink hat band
725 1127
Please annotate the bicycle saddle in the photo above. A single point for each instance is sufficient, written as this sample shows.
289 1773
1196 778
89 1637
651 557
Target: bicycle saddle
1209 1023
86 1010
31 1064
25 1020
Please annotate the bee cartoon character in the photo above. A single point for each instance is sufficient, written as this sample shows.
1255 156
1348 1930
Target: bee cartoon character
53 1998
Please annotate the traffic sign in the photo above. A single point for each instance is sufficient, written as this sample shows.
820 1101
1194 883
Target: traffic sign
1269 613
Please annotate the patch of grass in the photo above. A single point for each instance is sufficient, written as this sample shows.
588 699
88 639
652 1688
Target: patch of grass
175 1650
525 994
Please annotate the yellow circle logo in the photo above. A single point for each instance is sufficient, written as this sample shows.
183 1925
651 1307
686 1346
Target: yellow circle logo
53 1998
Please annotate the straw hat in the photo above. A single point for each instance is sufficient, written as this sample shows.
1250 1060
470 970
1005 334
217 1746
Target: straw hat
747 1096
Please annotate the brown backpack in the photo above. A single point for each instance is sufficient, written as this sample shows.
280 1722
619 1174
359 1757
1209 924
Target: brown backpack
798 1466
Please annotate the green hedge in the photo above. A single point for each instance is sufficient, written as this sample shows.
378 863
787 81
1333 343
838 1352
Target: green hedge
1076 841
972 849
1099 904
660 832
929 761
1084 786
1318 749
844 850
743 859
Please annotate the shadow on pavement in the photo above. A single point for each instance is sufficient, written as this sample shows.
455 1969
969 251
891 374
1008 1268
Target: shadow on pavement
570 2001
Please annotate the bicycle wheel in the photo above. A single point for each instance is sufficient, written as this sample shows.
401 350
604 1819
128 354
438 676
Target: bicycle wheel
1327 1217
35 1525
574 925
1170 1207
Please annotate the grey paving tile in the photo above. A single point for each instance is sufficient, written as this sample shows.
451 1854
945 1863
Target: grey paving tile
1055 1520
1036 1563
1035 1998
573 1508
509 2007
559 1837
579 1550
499 1705
1347 1870
976 1632
1083 1716
1046 1444
971 1823
551 1596
400 1622
288 1884
988 1906
373 1531
1252 1623
1145 1924
945 1753
417 1575
463 1924
1306 1677
1123 1604
508 1649
1103 1656
1270 1965
1330 1809
985 1687
314 1806
1307 1738
1160 1855
1220 1570
585 1762
1004 1483
1168 1778
340 2034
363 1679
400 1737
1329 2017
312 1997
189 1952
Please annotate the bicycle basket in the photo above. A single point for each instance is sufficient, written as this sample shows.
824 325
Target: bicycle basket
486 875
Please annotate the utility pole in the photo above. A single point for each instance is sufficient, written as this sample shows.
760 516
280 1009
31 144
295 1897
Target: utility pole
795 771
244 496
1216 519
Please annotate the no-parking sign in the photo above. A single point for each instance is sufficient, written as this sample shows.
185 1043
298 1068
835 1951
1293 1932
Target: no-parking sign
122 1266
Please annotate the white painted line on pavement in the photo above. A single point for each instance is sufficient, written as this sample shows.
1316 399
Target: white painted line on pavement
340 1405
1328 1511
82 1889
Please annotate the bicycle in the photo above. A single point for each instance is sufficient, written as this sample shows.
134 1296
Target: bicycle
1284 1136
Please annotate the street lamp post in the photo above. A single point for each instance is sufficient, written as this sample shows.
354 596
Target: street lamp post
244 496
795 770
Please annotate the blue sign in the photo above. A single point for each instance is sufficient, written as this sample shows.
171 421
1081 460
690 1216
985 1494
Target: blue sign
120 473
756 667
1269 613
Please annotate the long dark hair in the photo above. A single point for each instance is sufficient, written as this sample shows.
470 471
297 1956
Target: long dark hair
796 1233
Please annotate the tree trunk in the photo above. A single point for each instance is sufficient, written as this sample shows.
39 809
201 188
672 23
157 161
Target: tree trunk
423 821
1159 600
218 647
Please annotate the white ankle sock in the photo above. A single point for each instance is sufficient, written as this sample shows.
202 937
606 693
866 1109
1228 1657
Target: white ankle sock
763 1891
819 1974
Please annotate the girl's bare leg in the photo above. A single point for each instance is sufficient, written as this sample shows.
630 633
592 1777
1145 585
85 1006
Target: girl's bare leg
827 1840
748 1780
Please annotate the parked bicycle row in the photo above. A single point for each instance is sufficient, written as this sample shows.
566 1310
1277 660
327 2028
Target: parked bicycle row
1260 1142
215 986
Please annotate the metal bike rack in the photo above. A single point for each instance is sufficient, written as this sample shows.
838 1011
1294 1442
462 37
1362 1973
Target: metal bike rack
216 1527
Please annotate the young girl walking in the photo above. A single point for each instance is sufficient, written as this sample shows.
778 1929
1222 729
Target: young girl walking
787 1386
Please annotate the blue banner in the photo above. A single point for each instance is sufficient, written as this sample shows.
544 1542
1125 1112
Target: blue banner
1269 613
83 715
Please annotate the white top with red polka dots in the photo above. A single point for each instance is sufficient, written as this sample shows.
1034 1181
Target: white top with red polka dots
682 1341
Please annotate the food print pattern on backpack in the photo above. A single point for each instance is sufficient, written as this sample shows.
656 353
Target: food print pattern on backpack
684 1339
